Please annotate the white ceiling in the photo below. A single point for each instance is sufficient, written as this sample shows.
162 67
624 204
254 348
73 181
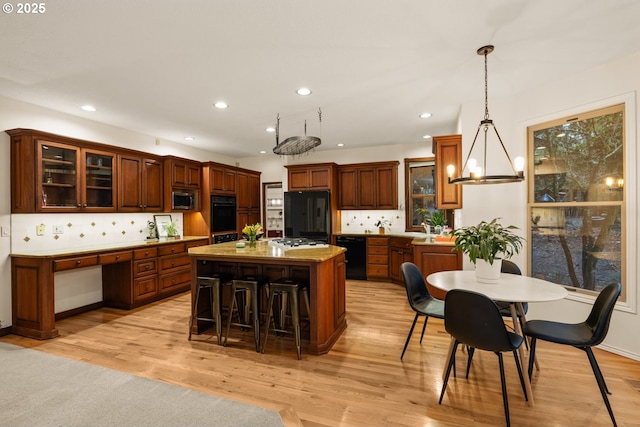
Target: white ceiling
157 66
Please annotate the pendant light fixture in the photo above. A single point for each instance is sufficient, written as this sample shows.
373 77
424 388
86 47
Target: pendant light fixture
478 173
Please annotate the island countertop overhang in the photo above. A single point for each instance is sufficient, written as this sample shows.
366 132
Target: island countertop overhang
264 251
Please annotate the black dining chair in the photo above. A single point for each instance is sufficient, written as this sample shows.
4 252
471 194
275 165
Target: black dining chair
474 320
421 302
582 335
511 267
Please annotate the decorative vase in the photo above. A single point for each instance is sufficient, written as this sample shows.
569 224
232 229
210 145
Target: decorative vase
381 230
486 272
438 230
252 241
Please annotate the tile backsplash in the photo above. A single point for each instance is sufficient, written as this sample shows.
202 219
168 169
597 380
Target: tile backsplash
61 231
357 221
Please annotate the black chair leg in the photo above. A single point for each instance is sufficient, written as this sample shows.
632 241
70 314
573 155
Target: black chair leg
413 325
446 376
470 351
532 356
601 384
517 359
424 327
504 389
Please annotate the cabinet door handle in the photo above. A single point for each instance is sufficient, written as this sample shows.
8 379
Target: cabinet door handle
78 262
117 256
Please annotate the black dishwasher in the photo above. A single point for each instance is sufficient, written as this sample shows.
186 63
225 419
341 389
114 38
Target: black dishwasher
356 256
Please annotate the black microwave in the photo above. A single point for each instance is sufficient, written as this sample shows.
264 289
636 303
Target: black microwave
183 200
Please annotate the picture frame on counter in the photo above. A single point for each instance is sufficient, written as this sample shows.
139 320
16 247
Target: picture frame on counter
162 223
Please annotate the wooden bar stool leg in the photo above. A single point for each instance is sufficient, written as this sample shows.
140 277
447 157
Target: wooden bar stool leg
269 312
231 304
295 318
255 314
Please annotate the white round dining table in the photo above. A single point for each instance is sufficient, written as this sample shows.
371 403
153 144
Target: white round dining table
512 288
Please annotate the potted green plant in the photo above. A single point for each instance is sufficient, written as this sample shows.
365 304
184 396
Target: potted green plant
484 242
171 229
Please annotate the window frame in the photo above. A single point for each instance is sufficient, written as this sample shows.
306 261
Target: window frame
629 216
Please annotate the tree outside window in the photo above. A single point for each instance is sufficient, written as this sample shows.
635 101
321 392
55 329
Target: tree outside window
576 199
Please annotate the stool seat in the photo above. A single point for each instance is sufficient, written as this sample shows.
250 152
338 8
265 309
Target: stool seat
213 283
287 287
254 285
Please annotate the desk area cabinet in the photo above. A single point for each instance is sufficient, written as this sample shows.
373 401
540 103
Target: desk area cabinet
377 258
368 186
131 276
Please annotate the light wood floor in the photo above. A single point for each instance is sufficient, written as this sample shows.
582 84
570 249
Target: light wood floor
362 381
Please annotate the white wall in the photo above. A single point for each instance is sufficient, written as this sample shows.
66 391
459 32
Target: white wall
508 201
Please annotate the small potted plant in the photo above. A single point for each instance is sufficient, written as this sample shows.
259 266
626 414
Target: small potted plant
382 224
172 230
484 242
437 220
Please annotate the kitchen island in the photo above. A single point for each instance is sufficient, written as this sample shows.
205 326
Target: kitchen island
322 266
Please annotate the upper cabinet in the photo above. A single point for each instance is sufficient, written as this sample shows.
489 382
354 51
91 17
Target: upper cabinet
368 186
318 176
248 196
140 183
448 151
50 173
183 173
222 179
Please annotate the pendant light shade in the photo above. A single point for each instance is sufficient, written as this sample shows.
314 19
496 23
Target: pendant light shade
478 171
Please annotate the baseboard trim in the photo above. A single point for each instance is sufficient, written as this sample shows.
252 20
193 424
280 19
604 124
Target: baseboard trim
79 310
619 352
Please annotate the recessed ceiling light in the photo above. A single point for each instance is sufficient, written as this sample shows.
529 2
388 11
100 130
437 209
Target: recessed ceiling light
221 104
88 108
426 136
425 115
263 152
303 91
270 129
340 145
189 138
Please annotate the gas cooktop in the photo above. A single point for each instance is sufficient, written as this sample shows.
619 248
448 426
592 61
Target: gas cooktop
297 242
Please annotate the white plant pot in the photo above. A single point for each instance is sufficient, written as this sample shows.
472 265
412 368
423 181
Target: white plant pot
488 273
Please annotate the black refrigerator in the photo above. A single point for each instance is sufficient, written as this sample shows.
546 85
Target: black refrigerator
307 214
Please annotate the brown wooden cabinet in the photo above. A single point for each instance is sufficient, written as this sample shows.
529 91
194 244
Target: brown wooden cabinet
448 150
140 184
377 258
51 173
319 176
400 251
248 199
182 173
368 186
222 179
434 258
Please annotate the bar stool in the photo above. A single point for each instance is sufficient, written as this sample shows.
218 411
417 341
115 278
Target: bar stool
214 284
252 287
287 288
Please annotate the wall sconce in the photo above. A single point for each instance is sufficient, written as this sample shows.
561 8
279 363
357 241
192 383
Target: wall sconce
479 174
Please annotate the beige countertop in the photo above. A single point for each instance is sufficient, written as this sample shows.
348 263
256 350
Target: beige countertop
418 237
82 250
264 251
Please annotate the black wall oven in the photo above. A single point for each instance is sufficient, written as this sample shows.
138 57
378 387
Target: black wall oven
223 214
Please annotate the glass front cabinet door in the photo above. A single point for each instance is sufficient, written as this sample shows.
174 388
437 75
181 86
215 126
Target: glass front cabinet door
73 179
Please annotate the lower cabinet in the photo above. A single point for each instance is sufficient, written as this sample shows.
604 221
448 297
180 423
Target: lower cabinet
377 258
434 258
154 273
400 251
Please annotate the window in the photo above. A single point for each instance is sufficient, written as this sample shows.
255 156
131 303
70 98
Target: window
576 199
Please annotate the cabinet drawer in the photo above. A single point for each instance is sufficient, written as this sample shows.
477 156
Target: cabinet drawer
176 248
377 241
145 253
377 259
76 262
145 267
115 257
195 243
175 281
172 262
377 250
145 288
377 270
400 243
